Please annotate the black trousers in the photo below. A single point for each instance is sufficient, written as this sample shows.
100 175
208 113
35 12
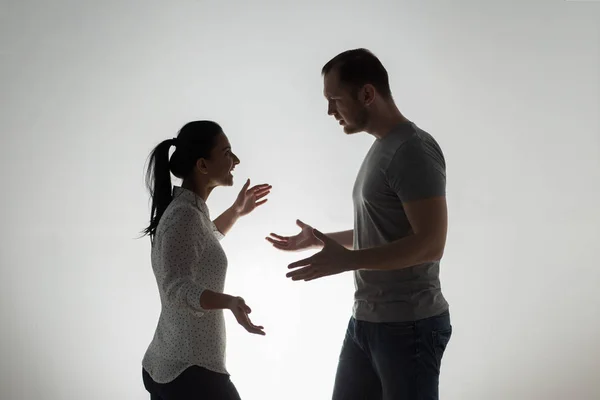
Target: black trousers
392 360
195 383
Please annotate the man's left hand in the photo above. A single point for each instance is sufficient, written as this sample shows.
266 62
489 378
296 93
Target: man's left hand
332 259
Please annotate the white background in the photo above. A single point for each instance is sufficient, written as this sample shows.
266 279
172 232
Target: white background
510 89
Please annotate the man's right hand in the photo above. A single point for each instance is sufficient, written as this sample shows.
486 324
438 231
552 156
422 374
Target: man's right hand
302 241
240 311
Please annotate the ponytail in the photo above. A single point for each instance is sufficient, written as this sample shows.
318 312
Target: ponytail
195 140
158 182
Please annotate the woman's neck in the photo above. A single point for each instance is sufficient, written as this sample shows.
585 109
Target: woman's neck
200 188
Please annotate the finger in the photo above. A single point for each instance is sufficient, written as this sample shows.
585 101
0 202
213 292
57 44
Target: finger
260 195
300 271
261 191
301 274
264 186
257 331
284 247
310 277
251 324
258 191
260 186
260 203
259 198
277 242
245 187
283 238
316 275
250 327
301 263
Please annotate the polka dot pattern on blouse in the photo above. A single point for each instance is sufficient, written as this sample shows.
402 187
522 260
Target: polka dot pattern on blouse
187 258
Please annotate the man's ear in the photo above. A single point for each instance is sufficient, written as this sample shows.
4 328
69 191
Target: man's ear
367 94
201 166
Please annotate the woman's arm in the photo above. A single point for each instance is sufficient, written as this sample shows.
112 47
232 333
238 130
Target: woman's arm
246 202
225 221
182 245
210 300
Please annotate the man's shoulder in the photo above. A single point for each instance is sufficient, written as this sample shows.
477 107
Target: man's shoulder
419 143
405 137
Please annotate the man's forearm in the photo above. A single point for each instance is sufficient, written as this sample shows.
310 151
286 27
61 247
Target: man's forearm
345 238
225 221
403 253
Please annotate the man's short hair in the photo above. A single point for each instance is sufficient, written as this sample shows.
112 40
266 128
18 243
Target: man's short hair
359 67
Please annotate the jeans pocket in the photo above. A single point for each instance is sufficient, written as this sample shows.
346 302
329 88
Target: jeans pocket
440 342
398 328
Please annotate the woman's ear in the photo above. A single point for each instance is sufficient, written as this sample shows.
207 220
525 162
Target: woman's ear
201 166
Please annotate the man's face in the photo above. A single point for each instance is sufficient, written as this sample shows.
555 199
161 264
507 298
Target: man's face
344 104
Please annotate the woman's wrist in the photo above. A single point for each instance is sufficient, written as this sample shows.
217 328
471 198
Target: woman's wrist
210 300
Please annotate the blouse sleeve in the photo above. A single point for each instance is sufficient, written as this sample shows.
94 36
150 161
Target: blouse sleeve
182 245
216 231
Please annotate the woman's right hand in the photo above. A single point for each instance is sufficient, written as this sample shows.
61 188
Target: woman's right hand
240 311
303 241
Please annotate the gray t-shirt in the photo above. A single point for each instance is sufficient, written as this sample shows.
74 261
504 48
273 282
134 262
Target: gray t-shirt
405 165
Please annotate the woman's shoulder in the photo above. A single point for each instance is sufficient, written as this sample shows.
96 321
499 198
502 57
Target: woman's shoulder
180 214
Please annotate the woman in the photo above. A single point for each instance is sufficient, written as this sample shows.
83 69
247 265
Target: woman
186 358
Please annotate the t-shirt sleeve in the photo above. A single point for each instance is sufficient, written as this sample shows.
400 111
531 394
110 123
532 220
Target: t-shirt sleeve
417 171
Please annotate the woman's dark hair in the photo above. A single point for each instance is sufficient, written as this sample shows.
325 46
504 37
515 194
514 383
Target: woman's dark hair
195 140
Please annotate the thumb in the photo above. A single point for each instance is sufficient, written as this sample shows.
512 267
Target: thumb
247 184
301 224
319 235
244 307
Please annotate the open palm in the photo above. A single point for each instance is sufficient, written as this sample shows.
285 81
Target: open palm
250 199
302 241
240 311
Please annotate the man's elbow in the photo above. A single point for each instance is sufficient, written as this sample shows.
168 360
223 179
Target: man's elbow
437 254
434 249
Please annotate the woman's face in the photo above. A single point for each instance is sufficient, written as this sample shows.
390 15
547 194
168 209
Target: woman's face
221 163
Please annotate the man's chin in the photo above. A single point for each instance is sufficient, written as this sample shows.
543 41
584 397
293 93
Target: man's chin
349 130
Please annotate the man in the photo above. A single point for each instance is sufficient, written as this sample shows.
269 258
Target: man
401 324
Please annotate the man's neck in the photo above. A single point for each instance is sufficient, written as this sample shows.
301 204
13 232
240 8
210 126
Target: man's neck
387 119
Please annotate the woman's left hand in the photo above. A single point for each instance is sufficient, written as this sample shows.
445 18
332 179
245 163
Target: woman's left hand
249 199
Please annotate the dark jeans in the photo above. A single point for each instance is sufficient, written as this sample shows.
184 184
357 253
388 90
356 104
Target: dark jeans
392 361
195 383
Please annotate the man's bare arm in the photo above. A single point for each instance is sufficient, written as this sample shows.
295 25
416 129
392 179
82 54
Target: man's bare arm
345 238
429 221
